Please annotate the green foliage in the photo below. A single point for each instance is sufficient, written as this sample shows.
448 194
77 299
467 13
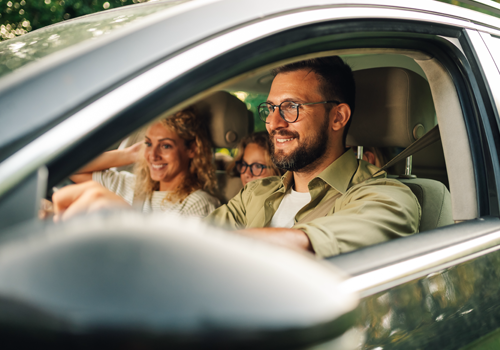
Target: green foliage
19 17
253 101
470 7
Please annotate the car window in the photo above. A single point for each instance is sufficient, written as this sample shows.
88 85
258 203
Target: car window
494 47
17 52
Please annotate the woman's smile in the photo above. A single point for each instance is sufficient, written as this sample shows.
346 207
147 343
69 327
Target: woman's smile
158 166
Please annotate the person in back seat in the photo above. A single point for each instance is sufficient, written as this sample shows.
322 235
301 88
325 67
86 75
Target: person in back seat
328 202
377 156
173 170
253 160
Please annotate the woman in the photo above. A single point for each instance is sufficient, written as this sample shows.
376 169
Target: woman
173 170
253 159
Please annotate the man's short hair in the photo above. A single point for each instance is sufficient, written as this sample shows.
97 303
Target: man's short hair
336 81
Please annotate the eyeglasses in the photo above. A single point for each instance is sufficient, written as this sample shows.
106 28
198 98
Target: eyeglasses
289 111
255 168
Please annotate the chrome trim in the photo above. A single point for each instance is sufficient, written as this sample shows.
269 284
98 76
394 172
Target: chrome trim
359 155
48 146
387 277
408 166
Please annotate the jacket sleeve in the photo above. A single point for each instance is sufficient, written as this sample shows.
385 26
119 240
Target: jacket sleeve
232 215
365 215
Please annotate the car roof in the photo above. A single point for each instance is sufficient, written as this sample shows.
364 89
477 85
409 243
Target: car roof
47 91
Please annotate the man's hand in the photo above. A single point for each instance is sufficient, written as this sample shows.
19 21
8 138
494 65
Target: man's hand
286 237
86 197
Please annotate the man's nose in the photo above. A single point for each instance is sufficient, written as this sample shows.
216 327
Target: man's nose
275 121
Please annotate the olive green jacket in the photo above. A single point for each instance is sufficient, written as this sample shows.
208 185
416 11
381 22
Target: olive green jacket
369 211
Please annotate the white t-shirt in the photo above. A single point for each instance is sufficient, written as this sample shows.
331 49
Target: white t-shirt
198 203
289 207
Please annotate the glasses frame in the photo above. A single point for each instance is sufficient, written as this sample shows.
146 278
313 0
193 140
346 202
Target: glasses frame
281 112
245 166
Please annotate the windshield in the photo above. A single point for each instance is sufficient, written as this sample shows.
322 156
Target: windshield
17 52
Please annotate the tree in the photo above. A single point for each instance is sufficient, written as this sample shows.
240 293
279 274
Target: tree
19 17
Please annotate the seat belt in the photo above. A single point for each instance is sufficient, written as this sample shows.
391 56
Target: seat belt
426 140
324 208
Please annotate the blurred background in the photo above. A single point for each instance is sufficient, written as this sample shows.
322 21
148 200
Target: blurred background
18 17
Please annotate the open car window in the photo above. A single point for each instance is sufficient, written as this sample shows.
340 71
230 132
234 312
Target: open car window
441 279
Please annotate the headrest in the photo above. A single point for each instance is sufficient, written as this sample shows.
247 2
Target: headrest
393 108
229 119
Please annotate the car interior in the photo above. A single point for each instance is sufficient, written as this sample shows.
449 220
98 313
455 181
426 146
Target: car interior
401 95
396 104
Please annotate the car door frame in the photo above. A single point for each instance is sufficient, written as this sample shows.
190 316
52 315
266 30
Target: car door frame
92 121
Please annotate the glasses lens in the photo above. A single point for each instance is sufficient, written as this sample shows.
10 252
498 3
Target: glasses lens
241 167
264 111
289 111
257 169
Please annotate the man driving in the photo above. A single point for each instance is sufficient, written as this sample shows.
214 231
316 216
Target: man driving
328 202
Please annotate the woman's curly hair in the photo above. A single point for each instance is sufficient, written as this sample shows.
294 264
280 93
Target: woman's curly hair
261 139
192 129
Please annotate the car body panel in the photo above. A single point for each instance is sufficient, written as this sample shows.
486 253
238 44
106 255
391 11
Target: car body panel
416 292
446 309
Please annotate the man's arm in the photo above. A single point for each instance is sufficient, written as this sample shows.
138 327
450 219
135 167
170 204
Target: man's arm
232 216
90 197
110 159
369 214
286 237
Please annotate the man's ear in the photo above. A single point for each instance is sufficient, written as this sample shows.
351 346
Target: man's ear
340 115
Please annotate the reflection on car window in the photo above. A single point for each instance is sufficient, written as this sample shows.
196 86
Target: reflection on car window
15 53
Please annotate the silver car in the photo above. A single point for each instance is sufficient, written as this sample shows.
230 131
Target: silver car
72 90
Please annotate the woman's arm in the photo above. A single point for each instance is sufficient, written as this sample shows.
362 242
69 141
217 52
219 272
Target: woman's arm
116 158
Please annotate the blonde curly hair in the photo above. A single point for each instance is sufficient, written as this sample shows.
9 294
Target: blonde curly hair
192 129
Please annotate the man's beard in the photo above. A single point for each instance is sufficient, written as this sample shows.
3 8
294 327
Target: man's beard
303 158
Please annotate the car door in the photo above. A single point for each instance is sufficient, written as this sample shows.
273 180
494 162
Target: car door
453 301
436 289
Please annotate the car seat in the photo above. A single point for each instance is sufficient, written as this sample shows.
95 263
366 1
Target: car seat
229 122
394 108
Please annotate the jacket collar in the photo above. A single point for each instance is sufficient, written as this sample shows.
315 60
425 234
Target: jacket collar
341 174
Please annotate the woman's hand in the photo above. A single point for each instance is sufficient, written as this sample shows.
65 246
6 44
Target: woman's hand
134 152
46 209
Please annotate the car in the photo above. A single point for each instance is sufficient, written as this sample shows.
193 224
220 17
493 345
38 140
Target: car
72 90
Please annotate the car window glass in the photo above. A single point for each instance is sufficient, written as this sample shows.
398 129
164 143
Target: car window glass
17 52
494 47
